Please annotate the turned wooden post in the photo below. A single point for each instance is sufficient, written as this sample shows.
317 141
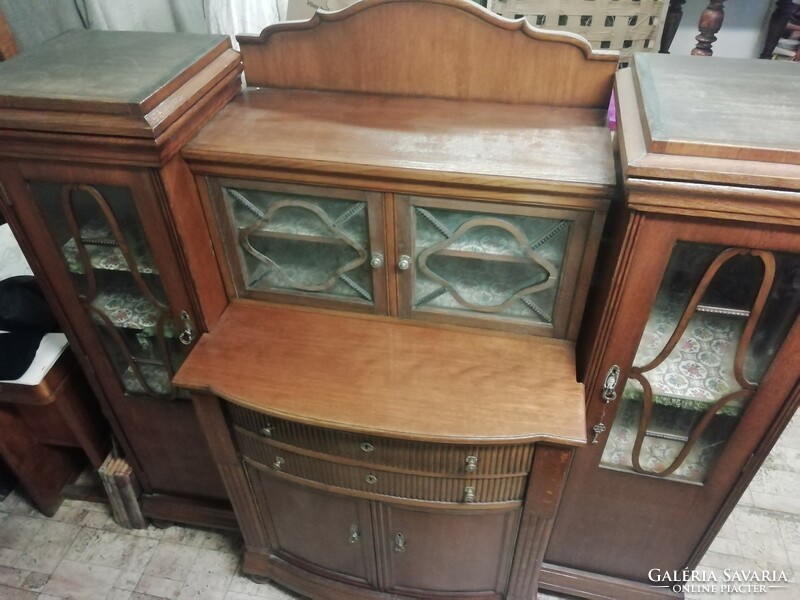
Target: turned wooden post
671 23
710 23
777 25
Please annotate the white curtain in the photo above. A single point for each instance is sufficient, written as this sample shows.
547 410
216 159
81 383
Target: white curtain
233 17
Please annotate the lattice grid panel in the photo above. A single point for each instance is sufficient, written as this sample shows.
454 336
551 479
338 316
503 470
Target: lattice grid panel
625 25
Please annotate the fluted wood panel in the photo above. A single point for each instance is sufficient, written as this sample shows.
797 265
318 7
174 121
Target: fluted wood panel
387 483
401 454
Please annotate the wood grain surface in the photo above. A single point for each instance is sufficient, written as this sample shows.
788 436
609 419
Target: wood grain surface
388 377
433 48
412 138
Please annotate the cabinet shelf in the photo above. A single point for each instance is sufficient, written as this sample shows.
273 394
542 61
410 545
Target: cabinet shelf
295 237
127 308
104 253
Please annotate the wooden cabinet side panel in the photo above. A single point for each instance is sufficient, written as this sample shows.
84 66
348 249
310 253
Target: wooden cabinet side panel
212 421
546 485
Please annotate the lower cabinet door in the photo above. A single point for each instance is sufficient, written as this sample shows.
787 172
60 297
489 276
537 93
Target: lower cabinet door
429 551
317 531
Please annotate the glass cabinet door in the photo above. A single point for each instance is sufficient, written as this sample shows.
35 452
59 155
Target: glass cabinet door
720 316
507 268
317 245
100 237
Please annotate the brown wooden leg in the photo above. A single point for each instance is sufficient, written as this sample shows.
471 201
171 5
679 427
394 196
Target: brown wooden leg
777 25
671 23
710 24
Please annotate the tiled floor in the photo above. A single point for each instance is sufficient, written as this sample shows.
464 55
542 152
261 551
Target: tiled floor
82 554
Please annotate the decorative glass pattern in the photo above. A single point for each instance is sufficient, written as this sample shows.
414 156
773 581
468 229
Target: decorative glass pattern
716 324
500 265
301 244
106 251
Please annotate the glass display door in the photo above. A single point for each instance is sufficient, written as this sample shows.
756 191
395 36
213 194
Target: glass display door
304 244
128 288
510 267
696 362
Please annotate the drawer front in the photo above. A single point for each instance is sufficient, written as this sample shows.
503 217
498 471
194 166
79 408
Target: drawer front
445 459
375 481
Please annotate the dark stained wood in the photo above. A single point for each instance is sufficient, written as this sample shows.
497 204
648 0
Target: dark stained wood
403 390
445 551
367 48
601 541
592 586
672 21
212 422
562 150
545 487
710 24
132 142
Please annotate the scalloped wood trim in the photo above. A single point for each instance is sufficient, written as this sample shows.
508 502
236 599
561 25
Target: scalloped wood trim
450 49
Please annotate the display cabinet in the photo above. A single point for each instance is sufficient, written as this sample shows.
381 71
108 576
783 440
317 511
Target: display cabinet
397 453
690 359
110 220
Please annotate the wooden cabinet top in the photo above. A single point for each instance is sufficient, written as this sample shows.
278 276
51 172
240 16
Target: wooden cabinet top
723 134
389 377
114 84
419 139
119 72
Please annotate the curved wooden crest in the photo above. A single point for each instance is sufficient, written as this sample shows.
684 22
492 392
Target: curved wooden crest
434 48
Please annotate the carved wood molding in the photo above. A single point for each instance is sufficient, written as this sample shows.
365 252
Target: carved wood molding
433 48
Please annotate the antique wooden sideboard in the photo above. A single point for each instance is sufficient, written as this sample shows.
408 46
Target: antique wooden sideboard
391 394
690 349
108 215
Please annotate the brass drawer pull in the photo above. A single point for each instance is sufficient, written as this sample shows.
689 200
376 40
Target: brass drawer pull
469 494
367 446
399 543
472 464
371 479
278 464
355 537
266 431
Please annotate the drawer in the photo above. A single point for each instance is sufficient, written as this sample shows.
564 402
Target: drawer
265 457
447 459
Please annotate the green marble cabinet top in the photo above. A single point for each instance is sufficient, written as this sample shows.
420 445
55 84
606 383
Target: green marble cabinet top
118 72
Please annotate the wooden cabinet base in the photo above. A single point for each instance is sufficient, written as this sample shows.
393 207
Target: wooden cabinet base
573 582
203 513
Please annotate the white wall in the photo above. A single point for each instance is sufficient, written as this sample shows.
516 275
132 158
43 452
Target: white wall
742 33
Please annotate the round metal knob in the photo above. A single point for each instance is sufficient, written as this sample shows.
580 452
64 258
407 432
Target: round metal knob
266 431
404 263
367 447
371 479
278 464
377 260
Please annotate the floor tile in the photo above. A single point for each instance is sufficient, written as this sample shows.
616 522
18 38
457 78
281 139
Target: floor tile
17 531
9 557
241 584
47 547
35 582
118 594
159 587
210 576
78 581
127 580
760 536
11 593
173 561
109 549
13 577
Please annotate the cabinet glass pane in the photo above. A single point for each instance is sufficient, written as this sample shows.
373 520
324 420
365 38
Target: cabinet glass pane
301 244
719 318
505 266
100 236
